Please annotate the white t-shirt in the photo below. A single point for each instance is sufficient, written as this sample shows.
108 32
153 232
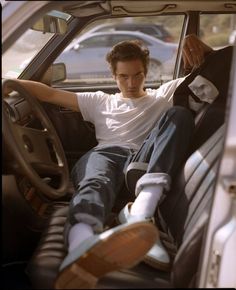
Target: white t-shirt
125 121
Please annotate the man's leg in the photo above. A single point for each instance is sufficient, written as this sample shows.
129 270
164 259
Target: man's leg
153 166
98 177
165 149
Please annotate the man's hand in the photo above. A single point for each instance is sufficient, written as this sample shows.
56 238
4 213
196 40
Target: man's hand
6 91
194 52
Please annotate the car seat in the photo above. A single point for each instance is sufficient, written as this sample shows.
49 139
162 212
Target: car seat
182 217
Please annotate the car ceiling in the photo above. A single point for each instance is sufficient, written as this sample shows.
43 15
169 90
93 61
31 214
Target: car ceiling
16 21
154 7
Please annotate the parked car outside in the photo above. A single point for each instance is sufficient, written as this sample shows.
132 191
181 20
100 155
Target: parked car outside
155 30
85 58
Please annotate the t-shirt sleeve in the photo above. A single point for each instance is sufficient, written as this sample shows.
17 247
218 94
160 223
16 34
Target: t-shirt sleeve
167 90
89 103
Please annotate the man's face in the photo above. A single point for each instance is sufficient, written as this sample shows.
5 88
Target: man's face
130 78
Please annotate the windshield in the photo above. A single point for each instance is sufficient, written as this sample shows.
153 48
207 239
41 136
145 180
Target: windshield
18 56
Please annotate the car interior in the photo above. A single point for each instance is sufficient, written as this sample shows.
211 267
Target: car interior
36 181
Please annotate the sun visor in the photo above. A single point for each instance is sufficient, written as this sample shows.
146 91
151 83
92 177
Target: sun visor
87 8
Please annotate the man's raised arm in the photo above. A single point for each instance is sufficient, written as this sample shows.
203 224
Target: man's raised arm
194 52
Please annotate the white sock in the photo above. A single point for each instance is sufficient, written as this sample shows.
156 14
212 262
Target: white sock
146 202
77 234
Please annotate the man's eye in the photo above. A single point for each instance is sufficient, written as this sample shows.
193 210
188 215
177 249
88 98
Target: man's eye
123 77
139 75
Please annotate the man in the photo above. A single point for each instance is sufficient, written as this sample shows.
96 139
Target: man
133 125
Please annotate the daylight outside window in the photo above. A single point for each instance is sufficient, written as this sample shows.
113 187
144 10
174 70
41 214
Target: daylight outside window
85 57
19 55
29 44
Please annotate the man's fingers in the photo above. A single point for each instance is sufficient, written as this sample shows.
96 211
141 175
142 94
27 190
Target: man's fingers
7 91
188 62
194 50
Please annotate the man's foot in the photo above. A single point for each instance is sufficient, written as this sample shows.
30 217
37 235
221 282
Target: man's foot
157 257
121 247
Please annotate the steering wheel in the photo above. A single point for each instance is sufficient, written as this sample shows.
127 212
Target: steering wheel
38 152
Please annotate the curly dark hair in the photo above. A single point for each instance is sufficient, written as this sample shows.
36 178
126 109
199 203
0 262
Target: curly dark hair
128 50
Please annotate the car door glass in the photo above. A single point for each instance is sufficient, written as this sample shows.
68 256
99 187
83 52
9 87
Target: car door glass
218 30
100 36
19 55
115 38
94 42
150 31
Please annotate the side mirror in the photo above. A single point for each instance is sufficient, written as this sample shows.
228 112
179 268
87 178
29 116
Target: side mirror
52 22
54 74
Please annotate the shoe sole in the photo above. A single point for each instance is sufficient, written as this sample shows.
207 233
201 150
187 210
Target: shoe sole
123 249
147 259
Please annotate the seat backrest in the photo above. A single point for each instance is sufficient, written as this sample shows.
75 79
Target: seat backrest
207 121
184 212
207 98
207 83
192 188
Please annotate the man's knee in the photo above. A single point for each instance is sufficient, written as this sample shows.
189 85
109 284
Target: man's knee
180 112
180 115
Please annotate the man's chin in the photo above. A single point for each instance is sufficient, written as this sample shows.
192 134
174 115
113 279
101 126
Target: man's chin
133 94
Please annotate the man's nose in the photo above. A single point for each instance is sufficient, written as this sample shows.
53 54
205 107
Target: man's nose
131 81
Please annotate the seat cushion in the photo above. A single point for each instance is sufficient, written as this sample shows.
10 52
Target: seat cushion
43 266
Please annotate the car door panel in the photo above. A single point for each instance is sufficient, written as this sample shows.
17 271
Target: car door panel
77 136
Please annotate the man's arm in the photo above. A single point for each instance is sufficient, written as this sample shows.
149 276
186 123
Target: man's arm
194 52
47 94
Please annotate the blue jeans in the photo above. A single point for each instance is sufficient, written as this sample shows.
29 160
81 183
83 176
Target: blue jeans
99 175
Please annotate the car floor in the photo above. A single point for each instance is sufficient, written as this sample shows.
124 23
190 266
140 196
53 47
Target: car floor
141 276
14 276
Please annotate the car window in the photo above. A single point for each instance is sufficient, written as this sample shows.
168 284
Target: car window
150 30
19 55
26 47
145 29
95 41
115 38
216 29
88 65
